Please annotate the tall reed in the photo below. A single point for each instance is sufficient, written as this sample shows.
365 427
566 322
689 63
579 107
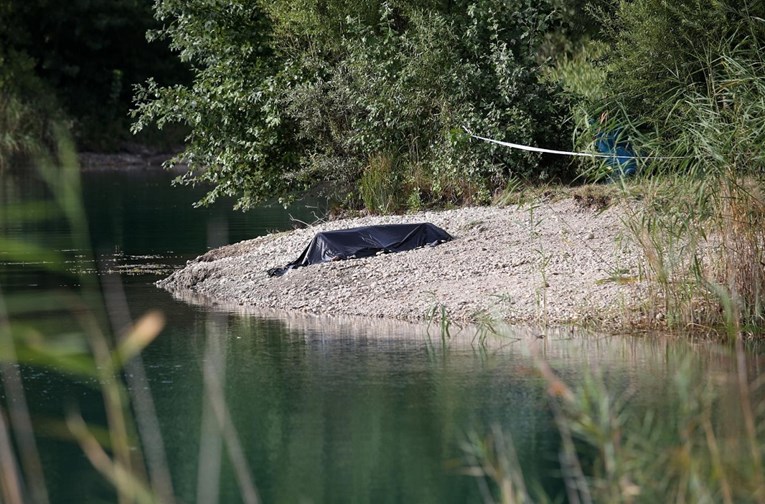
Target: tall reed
22 129
701 227
706 445
378 187
101 344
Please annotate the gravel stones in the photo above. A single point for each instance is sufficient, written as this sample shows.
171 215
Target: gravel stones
544 262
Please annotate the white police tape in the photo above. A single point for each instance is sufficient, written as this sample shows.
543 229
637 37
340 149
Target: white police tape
562 153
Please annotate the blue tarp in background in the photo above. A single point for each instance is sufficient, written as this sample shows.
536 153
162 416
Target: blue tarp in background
622 160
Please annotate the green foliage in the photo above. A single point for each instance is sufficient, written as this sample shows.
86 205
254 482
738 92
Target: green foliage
689 83
673 59
668 66
288 95
705 445
237 132
661 46
83 57
702 230
378 186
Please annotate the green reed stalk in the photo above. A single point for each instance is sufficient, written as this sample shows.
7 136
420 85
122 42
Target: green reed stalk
102 358
689 450
702 224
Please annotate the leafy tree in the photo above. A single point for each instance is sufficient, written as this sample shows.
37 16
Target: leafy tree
238 138
288 95
27 104
87 54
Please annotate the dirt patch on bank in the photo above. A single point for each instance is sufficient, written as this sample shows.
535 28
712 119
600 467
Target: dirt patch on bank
554 262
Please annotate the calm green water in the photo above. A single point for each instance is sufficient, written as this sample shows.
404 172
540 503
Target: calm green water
324 410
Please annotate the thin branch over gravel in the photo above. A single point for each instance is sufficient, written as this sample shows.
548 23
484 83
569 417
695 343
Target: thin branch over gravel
551 262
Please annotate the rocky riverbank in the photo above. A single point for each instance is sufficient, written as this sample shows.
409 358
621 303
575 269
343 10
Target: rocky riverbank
554 262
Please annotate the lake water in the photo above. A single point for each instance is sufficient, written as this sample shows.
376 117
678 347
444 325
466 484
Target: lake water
321 410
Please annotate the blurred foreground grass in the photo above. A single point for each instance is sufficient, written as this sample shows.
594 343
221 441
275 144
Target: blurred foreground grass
82 331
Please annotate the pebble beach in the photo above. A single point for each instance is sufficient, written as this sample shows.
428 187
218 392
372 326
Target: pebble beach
552 262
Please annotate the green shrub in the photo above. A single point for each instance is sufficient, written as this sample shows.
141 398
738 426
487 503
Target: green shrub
669 62
686 82
27 109
239 141
289 95
378 186
409 90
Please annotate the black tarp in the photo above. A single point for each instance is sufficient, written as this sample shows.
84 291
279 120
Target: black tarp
364 242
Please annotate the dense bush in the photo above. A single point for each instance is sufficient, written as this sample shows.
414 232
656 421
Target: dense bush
670 58
238 140
287 96
687 81
27 105
81 57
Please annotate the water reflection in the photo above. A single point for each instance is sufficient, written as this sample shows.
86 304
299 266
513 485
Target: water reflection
312 409
328 414
344 410
137 222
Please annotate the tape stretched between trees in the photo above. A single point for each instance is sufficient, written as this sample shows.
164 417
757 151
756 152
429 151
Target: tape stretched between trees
559 152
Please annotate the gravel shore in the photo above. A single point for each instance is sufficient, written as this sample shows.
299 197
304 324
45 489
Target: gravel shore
552 262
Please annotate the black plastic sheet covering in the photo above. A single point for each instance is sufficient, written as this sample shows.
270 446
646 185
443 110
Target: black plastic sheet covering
364 242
